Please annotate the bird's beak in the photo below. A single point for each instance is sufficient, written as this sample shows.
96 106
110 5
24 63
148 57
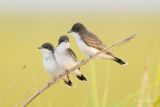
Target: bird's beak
69 31
39 47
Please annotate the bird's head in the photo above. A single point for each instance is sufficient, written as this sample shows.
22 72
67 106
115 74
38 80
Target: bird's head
77 28
64 42
46 48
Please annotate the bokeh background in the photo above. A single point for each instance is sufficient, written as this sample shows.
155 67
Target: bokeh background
26 24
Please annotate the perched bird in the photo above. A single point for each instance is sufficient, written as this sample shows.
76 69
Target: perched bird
50 63
66 58
90 44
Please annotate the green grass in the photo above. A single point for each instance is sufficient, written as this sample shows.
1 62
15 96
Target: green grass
106 88
93 87
20 36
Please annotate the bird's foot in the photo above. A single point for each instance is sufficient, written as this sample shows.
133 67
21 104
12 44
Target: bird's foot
67 71
58 75
52 81
90 56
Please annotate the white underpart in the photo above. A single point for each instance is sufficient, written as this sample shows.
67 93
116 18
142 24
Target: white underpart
89 51
63 59
50 64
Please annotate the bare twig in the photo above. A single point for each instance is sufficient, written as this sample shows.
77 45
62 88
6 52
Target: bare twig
12 84
28 91
143 88
83 62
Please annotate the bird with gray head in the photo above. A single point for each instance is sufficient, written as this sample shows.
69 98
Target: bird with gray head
50 63
66 58
90 44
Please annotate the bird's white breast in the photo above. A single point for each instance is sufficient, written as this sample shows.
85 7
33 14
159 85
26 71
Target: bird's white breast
63 59
83 47
51 66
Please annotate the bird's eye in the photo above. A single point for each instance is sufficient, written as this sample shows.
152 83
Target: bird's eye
66 41
77 29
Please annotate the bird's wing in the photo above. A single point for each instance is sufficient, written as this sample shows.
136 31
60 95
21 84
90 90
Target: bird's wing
93 41
72 54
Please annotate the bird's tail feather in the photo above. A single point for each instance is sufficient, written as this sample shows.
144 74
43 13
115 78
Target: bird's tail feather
120 61
67 81
79 75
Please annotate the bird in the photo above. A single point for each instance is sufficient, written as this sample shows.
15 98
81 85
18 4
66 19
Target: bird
90 44
66 58
50 63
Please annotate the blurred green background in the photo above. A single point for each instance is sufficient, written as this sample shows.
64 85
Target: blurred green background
25 25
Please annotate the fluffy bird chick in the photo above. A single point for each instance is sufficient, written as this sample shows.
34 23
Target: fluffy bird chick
50 63
66 58
90 44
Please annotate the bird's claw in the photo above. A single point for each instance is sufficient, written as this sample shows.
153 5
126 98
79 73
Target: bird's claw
90 57
52 81
67 70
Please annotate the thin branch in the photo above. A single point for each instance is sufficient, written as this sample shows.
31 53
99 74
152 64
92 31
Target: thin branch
27 93
12 84
143 88
83 62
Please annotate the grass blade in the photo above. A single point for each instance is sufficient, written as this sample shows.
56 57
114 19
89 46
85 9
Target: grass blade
105 97
143 88
93 87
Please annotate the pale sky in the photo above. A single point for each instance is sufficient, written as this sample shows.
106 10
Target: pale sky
111 5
